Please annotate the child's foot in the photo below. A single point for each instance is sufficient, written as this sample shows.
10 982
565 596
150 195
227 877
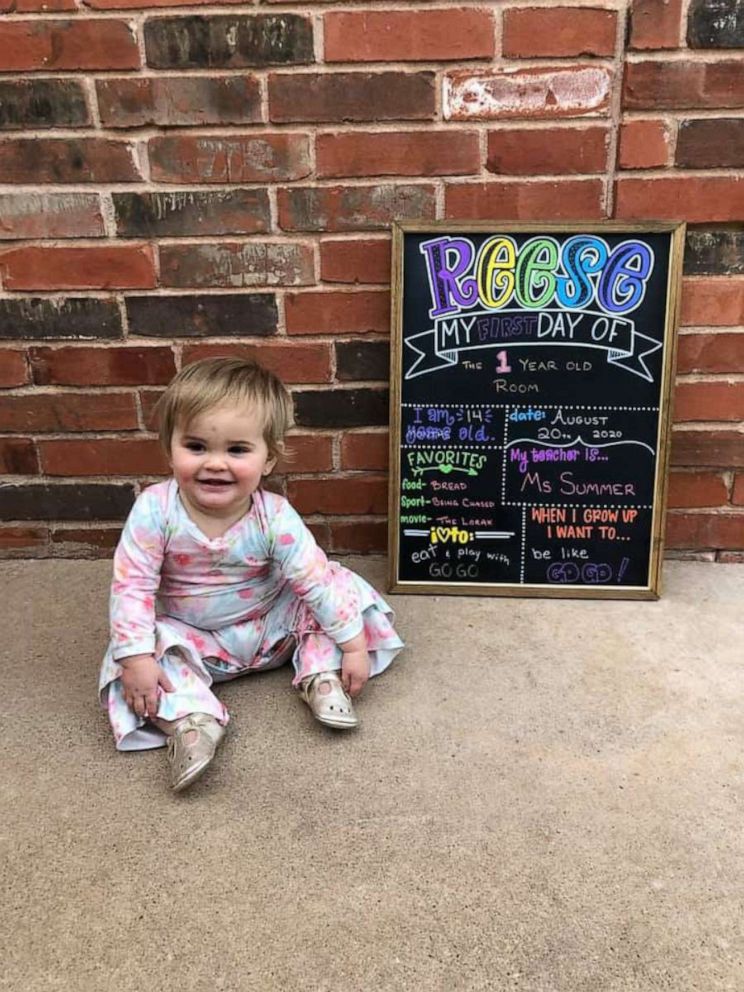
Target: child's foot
328 701
191 748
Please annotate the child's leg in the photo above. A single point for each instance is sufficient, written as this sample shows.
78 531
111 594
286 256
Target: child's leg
192 745
191 695
317 666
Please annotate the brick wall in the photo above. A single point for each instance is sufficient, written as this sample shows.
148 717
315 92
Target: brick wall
180 179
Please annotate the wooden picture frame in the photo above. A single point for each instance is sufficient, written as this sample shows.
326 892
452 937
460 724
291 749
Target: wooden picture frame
484 316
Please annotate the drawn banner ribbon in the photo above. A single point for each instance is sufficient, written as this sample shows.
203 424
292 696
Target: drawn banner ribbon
440 346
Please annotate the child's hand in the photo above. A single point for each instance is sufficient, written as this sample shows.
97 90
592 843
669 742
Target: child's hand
355 671
140 677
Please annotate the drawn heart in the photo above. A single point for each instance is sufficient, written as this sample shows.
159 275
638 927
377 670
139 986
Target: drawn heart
443 533
445 469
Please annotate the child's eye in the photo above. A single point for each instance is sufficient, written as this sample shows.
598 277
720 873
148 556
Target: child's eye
238 449
194 446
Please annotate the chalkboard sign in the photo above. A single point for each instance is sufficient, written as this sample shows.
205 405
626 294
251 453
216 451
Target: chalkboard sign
530 407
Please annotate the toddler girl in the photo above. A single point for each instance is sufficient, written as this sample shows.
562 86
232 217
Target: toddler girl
214 577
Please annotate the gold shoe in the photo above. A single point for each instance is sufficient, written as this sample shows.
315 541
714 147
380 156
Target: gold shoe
189 761
334 708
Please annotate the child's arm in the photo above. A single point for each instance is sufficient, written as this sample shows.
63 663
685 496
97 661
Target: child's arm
140 677
333 601
355 664
137 564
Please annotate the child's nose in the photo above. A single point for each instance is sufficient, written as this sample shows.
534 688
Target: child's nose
214 461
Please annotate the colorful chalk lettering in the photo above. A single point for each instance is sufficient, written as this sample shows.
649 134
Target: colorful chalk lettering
531 409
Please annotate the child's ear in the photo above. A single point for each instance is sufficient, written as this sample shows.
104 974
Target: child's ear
269 466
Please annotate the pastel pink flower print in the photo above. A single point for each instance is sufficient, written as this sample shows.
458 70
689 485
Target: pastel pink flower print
212 612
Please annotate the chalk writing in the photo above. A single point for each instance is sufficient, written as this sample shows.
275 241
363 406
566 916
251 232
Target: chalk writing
527 437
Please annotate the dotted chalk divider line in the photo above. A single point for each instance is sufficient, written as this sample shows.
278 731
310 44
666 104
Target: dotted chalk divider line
533 406
453 447
503 460
524 543
583 506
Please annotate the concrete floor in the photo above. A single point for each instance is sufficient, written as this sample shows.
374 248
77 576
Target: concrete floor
544 796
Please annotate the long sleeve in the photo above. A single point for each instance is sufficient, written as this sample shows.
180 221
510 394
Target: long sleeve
137 565
334 603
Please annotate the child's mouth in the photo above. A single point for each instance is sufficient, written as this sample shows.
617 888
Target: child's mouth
214 483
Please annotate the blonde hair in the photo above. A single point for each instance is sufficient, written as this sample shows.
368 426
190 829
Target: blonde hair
215 382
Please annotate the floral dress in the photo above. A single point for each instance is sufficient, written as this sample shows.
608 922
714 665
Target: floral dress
211 609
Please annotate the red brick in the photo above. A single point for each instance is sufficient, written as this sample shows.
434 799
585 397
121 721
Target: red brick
655 24
535 32
249 158
710 143
192 212
338 313
643 145
103 456
355 261
705 530
504 94
672 85
40 103
329 408
252 263
36 6
13 369
62 45
547 151
51 412
171 101
356 495
694 489
307 453
709 401
712 449
50 215
22 538
712 301
570 199
352 96
84 542
737 496
691 198
203 315
149 399
730 557
228 42
406 153
68 160
710 353
365 451
137 4
296 362
353 208
408 35
18 456
82 366
104 267
359 536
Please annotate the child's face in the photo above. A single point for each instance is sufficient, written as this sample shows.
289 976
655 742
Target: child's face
218 461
